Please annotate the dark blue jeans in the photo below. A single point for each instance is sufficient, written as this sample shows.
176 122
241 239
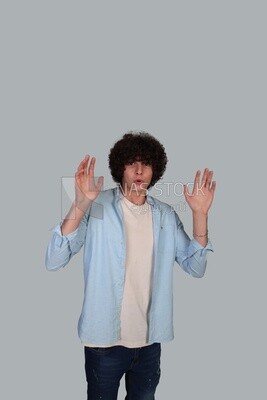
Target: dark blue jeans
104 368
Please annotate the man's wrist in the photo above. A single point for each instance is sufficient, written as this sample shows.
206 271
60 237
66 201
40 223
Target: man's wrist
83 205
200 214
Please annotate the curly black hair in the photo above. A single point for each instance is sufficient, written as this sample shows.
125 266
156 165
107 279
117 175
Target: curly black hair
137 146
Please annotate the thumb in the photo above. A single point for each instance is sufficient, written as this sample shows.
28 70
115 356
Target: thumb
187 195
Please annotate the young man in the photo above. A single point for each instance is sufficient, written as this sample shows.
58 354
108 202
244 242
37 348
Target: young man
131 241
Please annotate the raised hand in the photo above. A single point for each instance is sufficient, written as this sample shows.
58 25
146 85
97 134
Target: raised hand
202 194
86 189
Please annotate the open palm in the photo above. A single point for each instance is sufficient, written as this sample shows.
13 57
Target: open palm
86 189
202 194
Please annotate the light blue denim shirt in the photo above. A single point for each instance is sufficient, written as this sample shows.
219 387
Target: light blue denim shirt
102 234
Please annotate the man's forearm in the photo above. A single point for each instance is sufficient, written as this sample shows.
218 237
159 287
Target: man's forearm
200 228
73 218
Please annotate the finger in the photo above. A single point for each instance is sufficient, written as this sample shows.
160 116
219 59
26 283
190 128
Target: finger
83 161
209 179
213 187
92 166
204 177
196 180
100 182
186 192
77 175
78 179
83 164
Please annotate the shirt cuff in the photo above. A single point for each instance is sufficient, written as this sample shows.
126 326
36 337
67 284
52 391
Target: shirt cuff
195 246
60 239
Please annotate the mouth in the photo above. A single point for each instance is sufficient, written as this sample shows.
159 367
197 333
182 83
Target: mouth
138 182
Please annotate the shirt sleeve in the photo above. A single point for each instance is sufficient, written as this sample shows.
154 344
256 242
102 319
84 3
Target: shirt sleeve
62 248
190 255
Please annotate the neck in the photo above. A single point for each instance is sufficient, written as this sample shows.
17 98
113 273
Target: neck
137 196
137 199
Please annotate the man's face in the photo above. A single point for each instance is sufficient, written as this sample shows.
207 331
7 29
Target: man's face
137 176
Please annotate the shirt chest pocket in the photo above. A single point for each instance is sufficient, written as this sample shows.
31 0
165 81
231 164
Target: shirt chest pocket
166 240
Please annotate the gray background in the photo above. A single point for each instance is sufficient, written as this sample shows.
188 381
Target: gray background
75 75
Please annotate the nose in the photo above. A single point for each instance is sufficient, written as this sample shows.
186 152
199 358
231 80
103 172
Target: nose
139 168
